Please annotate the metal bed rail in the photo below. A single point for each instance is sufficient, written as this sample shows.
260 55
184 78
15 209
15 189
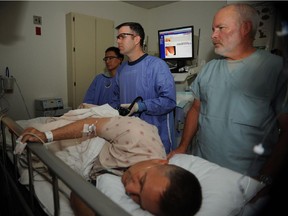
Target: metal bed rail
100 203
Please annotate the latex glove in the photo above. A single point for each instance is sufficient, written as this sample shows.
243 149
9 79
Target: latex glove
133 110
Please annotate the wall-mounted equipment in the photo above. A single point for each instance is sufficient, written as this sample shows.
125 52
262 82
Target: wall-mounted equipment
50 107
6 82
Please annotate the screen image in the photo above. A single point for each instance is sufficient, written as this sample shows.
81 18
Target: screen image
176 43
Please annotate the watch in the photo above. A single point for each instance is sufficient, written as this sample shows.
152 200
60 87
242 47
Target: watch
265 179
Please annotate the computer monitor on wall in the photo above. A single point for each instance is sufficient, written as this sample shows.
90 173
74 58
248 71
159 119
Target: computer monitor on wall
176 45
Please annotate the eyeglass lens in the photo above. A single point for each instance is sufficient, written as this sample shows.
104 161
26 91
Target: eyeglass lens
124 35
109 58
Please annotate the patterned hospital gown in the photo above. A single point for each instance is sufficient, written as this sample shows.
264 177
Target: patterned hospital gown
128 140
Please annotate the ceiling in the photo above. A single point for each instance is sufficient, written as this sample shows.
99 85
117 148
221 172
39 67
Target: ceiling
149 4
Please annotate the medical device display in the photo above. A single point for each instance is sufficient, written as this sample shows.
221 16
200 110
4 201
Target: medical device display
176 44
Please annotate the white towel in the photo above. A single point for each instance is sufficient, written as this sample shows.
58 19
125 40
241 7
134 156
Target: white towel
98 111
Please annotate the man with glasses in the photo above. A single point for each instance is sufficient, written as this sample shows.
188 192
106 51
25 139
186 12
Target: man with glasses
146 76
101 89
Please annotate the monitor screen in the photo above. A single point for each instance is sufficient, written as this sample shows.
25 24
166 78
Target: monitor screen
176 43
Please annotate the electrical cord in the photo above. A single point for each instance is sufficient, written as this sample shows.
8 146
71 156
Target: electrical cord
28 113
6 108
41 170
32 134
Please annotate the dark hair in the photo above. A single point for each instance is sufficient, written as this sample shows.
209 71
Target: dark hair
183 195
136 27
116 51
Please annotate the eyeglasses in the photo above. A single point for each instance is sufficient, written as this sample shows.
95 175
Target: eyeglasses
124 35
109 58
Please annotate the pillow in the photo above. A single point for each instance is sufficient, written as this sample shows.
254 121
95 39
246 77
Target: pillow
112 187
225 192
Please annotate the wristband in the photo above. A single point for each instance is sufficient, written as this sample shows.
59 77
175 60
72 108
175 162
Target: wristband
49 136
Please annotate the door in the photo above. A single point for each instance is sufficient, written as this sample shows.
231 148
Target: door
87 39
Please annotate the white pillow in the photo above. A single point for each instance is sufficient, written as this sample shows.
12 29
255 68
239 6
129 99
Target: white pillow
221 188
112 187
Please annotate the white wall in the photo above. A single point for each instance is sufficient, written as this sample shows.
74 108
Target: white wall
196 13
38 63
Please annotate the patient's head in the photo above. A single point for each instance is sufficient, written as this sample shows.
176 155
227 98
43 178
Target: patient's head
163 189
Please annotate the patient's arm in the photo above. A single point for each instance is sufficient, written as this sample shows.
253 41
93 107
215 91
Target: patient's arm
73 130
79 207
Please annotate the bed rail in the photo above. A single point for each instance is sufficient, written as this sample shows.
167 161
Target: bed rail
99 202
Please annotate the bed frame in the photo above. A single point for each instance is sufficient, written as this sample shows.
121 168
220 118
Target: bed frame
100 203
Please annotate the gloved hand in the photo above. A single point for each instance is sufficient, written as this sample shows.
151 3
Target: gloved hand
134 109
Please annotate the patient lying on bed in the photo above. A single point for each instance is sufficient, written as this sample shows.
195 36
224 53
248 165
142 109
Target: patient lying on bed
158 187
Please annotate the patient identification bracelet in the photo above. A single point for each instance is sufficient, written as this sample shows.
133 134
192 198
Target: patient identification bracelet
49 136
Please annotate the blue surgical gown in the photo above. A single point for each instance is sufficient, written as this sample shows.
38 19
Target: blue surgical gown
150 78
100 91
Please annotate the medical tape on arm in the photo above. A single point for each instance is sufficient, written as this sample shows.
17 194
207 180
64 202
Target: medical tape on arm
89 130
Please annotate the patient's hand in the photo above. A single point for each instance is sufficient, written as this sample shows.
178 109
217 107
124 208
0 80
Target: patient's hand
32 135
86 106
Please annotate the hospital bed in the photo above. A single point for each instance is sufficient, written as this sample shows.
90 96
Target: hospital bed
49 175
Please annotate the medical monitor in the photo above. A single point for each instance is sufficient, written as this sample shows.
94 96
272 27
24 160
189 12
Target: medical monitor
176 45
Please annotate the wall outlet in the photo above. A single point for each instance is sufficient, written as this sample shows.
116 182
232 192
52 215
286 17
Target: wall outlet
37 20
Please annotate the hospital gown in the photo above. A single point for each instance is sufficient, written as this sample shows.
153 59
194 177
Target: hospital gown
129 140
150 78
100 91
239 100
